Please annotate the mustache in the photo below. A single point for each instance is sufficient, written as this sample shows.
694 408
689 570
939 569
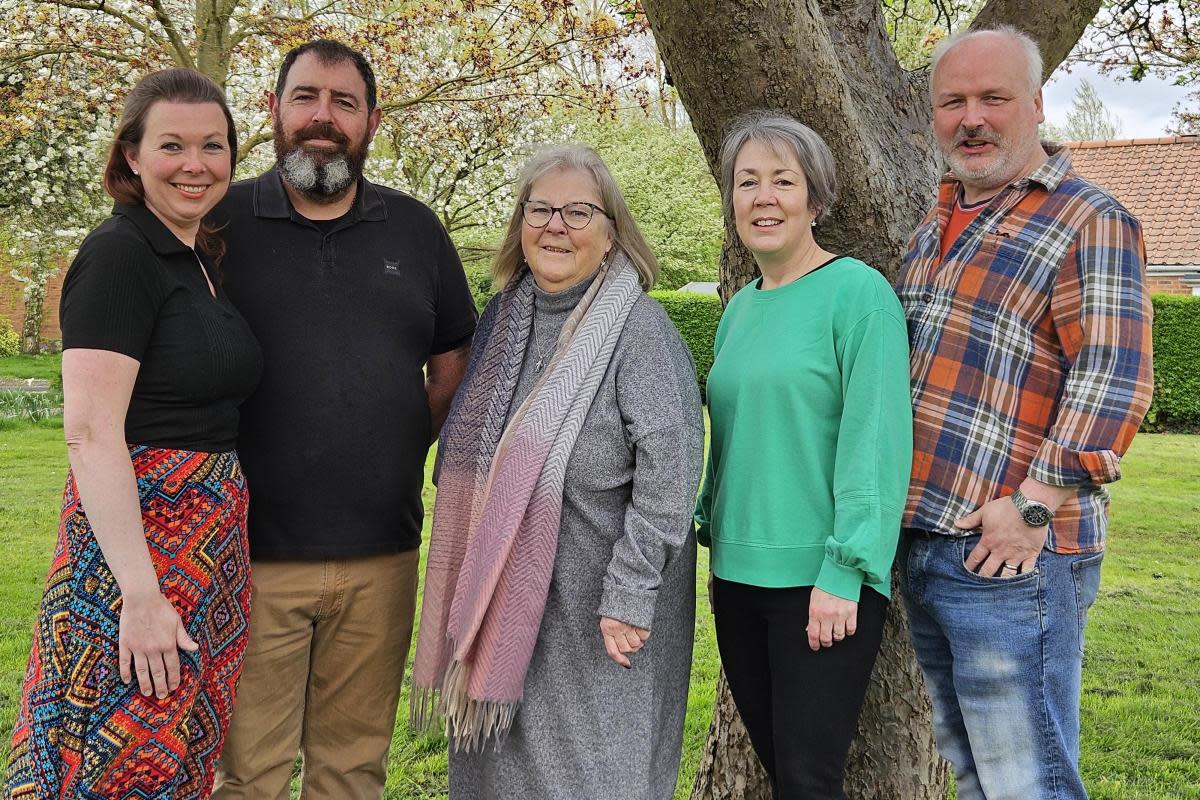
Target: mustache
975 134
321 130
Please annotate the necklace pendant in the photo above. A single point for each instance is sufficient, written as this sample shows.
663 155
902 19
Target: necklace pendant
538 366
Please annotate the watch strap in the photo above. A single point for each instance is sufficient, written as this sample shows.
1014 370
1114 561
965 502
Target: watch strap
1034 514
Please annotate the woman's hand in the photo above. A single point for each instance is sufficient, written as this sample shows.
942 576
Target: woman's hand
97 385
621 638
830 619
151 635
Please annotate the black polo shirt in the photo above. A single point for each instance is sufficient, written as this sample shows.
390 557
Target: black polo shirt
136 289
334 440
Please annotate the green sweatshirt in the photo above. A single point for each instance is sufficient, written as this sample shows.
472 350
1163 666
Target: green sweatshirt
811 445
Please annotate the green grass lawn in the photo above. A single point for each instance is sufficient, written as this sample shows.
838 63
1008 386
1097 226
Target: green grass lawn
1141 703
47 366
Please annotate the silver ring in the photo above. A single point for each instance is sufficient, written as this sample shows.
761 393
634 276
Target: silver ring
1008 566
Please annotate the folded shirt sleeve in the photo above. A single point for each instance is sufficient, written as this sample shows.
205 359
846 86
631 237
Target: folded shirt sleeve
1103 316
657 522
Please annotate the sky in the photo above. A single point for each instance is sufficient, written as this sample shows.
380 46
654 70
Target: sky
1144 108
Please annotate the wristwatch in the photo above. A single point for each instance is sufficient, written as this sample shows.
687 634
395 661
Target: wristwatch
1035 514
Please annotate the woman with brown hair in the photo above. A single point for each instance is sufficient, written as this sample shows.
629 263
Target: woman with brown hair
139 642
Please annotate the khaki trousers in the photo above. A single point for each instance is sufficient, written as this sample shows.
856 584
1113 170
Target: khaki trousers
328 644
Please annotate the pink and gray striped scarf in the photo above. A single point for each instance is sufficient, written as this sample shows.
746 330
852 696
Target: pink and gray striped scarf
499 500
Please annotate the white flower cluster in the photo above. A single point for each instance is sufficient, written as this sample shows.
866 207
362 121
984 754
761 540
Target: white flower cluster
467 89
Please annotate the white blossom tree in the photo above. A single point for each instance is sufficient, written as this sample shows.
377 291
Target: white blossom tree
49 168
465 87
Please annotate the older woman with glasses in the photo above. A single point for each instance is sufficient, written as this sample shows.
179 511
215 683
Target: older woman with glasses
556 631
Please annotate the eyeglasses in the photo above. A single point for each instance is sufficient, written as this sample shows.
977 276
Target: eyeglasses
575 216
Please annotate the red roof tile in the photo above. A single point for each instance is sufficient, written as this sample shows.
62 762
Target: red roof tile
1159 181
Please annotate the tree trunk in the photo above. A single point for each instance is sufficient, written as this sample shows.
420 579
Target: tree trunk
665 101
214 48
31 328
894 756
829 64
729 769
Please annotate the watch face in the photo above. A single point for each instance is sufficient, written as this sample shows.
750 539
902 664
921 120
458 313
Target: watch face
1036 515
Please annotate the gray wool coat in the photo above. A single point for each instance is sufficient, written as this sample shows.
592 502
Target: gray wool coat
588 729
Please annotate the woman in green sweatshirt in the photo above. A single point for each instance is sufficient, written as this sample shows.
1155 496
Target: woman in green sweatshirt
809 462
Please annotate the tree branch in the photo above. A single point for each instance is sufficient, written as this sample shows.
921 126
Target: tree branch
252 141
183 56
1056 27
103 8
65 50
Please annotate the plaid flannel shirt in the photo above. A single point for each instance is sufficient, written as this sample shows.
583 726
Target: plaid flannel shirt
1030 351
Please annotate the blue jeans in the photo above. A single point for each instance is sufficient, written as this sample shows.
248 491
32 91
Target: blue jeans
1002 659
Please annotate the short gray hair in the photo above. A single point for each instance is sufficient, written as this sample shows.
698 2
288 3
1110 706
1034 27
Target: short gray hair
626 235
784 135
1033 54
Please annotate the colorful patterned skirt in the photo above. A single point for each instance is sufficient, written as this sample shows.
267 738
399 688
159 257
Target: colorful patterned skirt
83 733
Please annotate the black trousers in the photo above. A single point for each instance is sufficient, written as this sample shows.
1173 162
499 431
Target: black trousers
801 708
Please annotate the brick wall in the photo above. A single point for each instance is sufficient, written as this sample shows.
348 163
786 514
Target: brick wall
1167 284
50 329
12 305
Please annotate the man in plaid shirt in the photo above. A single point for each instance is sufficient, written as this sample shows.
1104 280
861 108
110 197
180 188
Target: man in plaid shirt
1030 333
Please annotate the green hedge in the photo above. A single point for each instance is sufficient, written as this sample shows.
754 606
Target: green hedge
1176 403
696 316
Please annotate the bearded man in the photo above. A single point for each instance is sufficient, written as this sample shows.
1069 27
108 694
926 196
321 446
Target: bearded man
1029 325
359 301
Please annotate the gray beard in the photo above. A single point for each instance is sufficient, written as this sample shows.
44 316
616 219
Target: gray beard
996 172
327 181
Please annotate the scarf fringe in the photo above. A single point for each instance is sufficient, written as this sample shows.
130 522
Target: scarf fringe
424 710
471 723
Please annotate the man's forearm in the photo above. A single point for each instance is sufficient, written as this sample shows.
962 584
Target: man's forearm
439 397
443 374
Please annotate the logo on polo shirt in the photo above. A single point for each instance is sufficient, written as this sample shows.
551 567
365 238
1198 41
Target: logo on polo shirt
391 267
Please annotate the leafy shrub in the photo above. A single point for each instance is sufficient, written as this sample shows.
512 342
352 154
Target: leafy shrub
1176 403
670 191
10 342
479 281
696 317
666 182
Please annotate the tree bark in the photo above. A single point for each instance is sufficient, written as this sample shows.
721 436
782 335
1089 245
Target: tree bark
829 64
34 302
213 20
729 767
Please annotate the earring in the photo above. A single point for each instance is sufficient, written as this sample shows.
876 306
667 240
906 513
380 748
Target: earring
813 223
135 172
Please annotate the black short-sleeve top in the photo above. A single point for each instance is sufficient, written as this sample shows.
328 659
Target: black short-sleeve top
136 289
348 313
